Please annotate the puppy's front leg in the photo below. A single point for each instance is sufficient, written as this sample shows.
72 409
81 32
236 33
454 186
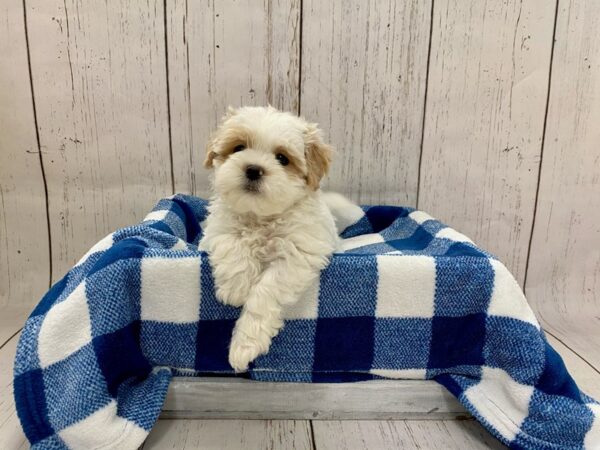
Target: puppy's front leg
234 268
281 283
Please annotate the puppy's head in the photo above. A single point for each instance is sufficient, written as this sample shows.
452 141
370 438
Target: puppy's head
266 160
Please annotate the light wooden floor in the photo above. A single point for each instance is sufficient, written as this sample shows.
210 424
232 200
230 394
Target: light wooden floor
283 434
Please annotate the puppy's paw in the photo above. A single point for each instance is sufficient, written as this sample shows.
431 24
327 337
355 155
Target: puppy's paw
242 352
228 294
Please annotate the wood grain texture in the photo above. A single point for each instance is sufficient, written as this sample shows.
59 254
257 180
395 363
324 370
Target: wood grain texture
367 435
11 434
24 250
99 76
12 319
230 435
484 120
364 67
563 280
226 398
585 375
220 54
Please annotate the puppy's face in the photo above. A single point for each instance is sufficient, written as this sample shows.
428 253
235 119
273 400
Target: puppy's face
266 160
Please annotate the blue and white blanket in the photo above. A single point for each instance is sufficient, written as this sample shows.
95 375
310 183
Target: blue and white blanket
408 298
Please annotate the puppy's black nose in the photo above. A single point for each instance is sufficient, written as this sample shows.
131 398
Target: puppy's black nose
254 173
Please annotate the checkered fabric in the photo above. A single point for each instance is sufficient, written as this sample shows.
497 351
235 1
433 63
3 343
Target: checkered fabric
407 298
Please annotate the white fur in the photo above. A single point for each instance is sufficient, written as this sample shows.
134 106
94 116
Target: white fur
266 248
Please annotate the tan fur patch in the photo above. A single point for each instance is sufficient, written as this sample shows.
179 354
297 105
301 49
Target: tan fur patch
318 157
223 142
295 165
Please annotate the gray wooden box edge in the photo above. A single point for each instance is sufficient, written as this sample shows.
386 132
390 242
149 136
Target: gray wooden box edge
232 398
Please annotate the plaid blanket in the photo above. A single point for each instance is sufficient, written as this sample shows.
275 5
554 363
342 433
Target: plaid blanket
407 298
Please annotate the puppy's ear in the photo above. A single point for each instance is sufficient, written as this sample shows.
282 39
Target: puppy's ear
318 156
210 155
210 146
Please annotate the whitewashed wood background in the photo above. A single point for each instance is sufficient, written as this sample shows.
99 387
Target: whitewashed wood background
484 114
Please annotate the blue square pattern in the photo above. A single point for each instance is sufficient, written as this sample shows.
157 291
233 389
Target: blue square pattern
114 296
28 346
382 217
175 222
406 343
292 349
51 297
120 356
212 345
555 379
210 307
160 235
462 286
456 342
344 344
188 218
71 397
561 420
51 443
343 297
418 241
513 346
363 226
33 407
134 391
169 344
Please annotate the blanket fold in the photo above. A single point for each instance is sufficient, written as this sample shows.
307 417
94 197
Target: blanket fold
408 297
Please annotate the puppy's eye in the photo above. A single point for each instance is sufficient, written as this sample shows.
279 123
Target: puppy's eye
238 148
283 160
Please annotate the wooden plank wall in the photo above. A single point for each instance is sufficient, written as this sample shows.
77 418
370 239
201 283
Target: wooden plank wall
221 54
24 246
486 100
563 280
364 68
481 113
99 77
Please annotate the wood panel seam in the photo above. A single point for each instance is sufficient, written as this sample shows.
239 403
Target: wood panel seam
425 104
168 97
312 435
300 36
572 350
11 337
539 174
39 146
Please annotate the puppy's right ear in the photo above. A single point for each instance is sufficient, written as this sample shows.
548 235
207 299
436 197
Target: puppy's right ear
210 146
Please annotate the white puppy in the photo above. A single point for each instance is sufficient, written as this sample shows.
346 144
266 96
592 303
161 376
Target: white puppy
269 231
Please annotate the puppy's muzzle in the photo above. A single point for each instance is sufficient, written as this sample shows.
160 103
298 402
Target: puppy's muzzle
254 173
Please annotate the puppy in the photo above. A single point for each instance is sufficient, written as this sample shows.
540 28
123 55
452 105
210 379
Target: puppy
269 230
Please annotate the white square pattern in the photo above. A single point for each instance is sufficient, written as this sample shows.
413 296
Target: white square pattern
171 289
157 215
501 401
116 432
361 241
406 286
507 297
65 329
420 217
453 235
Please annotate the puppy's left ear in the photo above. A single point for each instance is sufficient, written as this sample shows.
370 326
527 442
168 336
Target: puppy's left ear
318 156
210 155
